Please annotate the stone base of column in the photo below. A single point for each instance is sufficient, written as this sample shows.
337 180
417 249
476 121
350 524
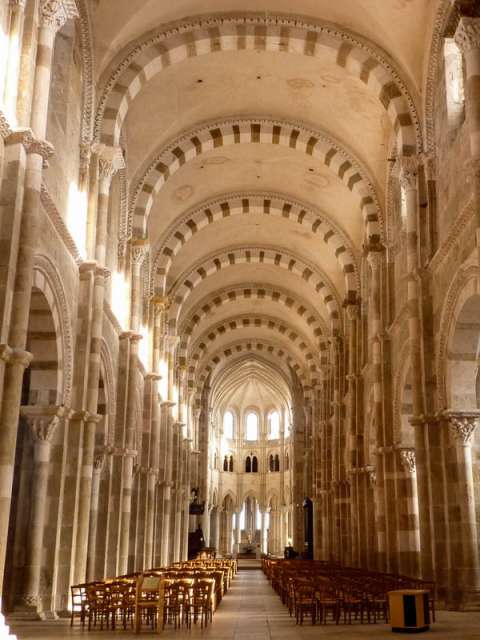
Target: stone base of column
25 612
470 600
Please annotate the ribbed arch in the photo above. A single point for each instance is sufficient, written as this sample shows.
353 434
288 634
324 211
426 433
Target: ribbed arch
256 321
217 134
232 296
322 287
269 204
143 60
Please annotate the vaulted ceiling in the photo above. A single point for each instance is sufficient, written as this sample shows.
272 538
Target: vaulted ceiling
257 144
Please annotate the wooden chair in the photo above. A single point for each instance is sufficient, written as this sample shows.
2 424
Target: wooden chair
97 604
202 601
149 601
79 603
305 604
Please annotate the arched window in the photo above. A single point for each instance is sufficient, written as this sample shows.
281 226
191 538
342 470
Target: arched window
225 463
252 426
277 462
248 465
273 425
230 464
287 462
228 424
271 463
254 464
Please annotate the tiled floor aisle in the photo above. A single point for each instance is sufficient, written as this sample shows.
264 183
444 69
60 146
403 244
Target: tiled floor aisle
252 611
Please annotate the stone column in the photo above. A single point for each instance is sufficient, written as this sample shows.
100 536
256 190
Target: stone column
152 476
12 63
462 426
43 422
263 532
98 464
467 37
407 508
407 169
238 533
374 258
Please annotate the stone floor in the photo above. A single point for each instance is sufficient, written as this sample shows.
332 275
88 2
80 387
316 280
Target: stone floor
252 611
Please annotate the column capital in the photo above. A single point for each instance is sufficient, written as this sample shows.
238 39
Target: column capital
160 303
55 13
352 309
17 4
408 459
406 170
110 160
461 425
374 255
98 462
139 248
371 474
21 357
43 420
467 34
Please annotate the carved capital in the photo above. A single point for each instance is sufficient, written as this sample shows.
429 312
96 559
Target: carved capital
406 169
110 161
43 421
98 462
407 456
122 249
467 35
374 254
371 474
461 425
55 13
160 303
138 251
352 310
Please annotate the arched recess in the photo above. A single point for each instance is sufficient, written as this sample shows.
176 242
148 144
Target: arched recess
456 338
273 205
140 61
46 389
251 291
342 163
46 281
201 346
320 284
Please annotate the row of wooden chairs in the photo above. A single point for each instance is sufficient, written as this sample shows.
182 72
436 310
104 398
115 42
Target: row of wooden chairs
176 595
322 590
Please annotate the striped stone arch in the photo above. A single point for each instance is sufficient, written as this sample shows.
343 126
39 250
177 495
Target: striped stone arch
257 321
47 280
197 378
251 292
143 59
267 204
256 131
253 255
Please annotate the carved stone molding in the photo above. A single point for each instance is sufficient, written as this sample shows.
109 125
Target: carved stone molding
467 35
371 474
462 425
407 456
